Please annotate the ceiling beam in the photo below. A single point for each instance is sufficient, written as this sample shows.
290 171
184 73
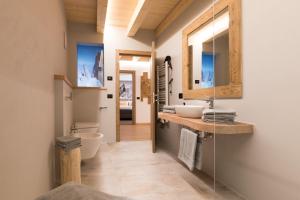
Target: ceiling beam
101 15
139 14
181 6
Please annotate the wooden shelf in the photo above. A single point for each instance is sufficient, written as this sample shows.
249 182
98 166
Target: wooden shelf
199 125
64 78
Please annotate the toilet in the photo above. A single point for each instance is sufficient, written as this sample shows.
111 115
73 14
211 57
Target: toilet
90 138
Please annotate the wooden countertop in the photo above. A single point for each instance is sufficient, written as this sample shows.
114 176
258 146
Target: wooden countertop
198 124
64 78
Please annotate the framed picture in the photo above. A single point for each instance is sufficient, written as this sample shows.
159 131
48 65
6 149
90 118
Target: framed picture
125 90
90 65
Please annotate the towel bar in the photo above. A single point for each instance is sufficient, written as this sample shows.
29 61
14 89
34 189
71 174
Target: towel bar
201 134
204 135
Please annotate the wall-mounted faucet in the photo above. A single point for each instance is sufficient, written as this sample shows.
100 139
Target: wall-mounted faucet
74 129
69 97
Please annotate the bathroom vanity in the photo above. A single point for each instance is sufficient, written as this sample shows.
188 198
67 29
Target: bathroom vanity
200 125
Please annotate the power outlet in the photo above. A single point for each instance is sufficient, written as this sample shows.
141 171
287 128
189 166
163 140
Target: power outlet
180 96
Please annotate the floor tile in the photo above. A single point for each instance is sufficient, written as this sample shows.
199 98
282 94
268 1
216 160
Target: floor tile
131 169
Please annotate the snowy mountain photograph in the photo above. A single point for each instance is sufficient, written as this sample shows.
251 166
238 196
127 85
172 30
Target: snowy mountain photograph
90 65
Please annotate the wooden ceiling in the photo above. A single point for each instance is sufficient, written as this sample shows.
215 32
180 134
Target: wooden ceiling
81 11
157 12
154 15
119 12
87 11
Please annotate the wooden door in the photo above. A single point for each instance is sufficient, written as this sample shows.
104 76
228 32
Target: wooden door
153 98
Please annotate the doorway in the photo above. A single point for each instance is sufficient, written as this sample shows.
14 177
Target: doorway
134 103
127 97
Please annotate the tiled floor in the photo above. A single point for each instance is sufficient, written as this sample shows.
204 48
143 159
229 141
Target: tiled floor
135 132
130 169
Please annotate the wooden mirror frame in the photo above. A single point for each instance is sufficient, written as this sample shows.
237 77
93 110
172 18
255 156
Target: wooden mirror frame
234 89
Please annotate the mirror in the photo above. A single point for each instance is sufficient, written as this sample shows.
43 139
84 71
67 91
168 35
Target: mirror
211 54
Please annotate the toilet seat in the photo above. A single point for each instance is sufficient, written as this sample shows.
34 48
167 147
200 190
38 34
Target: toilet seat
90 138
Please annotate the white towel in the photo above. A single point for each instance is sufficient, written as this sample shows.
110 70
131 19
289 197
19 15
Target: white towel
187 148
199 155
169 111
169 107
219 111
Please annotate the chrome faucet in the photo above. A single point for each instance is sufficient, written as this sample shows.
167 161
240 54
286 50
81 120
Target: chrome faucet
210 102
74 129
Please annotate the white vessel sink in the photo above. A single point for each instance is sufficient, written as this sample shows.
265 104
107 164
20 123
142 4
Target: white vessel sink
190 111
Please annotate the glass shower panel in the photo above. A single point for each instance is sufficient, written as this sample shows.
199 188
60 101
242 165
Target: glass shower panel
223 50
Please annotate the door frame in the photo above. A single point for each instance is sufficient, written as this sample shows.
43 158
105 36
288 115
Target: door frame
132 72
153 97
119 53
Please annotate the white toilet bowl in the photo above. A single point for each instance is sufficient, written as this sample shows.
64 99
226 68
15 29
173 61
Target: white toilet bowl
90 138
90 143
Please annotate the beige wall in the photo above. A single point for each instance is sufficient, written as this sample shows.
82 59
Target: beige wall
86 102
31 52
89 100
265 165
86 105
68 108
79 33
63 108
115 38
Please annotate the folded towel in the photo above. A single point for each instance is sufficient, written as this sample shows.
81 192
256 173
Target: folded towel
68 147
169 111
169 107
218 116
68 142
187 148
223 121
219 111
67 139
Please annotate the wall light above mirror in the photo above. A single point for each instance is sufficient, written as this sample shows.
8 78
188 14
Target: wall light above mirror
212 53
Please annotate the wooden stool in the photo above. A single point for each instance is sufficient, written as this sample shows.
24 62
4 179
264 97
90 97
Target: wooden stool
68 165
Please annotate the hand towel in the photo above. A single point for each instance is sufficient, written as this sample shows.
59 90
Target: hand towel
187 148
219 111
169 107
169 111
219 116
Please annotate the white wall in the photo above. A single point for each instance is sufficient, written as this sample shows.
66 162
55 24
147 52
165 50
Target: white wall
116 38
86 105
170 43
68 108
265 165
86 101
63 108
142 107
79 33
31 52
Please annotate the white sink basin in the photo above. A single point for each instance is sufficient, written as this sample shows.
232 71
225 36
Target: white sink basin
190 111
